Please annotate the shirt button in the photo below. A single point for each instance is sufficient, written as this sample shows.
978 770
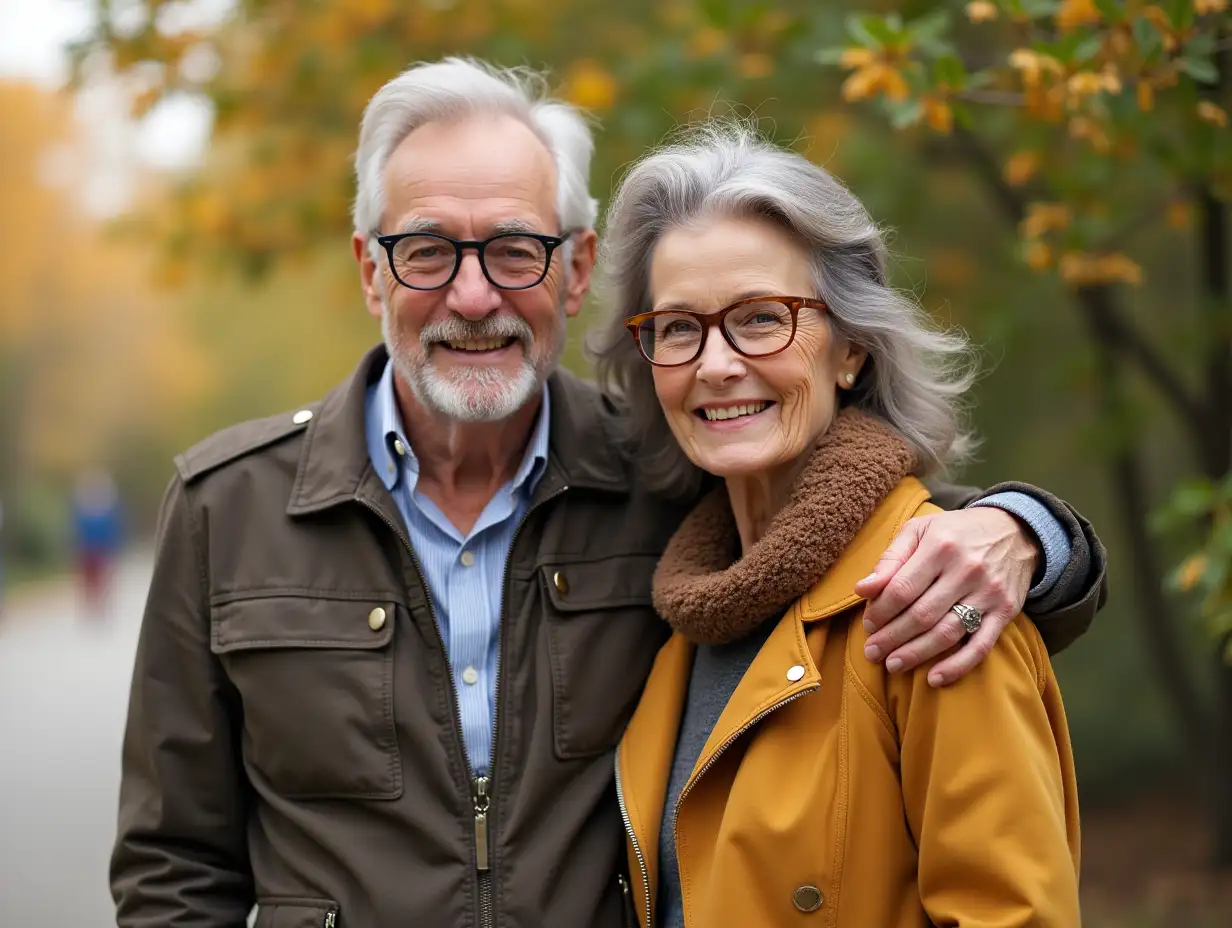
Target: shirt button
468 559
470 676
399 447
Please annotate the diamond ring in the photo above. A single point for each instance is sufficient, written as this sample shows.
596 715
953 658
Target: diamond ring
969 616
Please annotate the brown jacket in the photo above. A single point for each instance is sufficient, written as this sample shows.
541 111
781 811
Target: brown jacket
834 794
292 736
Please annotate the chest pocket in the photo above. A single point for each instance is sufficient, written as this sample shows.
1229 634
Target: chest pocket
603 636
315 677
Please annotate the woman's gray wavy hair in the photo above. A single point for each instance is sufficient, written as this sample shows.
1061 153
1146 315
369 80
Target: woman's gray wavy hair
916 374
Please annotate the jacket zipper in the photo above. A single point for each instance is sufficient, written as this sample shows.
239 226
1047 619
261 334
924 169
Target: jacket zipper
637 849
735 736
331 918
481 787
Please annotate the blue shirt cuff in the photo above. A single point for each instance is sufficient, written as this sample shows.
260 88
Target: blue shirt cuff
1049 531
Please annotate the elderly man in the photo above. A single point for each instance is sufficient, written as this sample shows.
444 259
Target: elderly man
392 638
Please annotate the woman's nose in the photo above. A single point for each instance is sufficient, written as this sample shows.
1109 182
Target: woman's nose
719 363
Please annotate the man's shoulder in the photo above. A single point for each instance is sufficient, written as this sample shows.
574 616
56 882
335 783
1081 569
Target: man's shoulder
241 440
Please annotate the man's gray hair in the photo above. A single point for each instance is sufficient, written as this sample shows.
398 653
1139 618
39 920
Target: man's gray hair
915 376
455 88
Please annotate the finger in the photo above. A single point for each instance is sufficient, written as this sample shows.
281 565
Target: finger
909 583
919 618
972 653
939 639
897 554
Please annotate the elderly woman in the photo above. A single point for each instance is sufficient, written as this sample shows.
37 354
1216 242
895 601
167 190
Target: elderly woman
771 775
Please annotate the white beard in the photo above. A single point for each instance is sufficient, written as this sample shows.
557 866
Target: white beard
476 394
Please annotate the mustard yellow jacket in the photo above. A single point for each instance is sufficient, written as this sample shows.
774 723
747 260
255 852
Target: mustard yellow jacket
845 796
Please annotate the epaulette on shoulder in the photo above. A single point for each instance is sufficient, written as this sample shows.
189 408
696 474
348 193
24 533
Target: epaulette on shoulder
239 440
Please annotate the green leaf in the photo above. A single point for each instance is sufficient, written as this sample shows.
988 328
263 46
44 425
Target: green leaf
718 13
1200 45
905 113
1112 10
829 56
1088 48
1147 36
931 27
1040 8
859 28
1181 12
949 70
1201 70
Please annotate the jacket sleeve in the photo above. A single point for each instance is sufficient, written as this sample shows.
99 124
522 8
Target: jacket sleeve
1064 614
989 790
180 857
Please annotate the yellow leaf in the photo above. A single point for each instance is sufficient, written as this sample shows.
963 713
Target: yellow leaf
1202 7
704 43
861 84
1191 572
590 86
1044 217
1020 168
1076 13
981 11
938 115
1082 128
756 65
1146 96
1082 269
1178 214
1212 113
895 85
857 57
1039 256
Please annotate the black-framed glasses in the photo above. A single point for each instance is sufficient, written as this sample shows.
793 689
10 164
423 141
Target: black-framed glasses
510 260
757 327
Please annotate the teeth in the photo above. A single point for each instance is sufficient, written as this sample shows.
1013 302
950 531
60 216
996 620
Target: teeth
734 412
485 344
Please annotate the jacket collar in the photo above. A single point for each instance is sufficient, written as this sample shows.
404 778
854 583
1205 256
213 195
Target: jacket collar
335 462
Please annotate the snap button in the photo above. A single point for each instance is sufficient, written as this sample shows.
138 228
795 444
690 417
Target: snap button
808 898
376 619
302 416
470 676
399 447
468 558
795 673
562 584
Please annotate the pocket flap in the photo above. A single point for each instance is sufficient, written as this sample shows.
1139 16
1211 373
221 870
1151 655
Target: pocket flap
290 912
609 583
301 622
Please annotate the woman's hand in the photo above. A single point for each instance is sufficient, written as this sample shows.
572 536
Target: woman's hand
982 557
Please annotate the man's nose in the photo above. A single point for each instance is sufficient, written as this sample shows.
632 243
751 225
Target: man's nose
719 363
471 295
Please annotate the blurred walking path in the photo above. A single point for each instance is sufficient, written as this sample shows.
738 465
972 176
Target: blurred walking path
64 680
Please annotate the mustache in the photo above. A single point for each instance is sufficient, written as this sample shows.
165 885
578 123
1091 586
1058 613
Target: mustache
455 328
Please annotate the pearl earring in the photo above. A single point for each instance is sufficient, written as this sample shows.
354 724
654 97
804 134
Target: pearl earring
850 378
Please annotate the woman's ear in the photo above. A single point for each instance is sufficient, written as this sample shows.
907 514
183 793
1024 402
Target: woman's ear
851 362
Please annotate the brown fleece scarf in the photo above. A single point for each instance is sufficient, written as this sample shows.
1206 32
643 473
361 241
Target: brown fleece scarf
712 595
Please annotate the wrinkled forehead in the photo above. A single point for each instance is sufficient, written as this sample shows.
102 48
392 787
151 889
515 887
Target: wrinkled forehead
482 168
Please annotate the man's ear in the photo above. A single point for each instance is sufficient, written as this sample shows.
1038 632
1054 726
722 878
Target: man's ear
581 266
369 274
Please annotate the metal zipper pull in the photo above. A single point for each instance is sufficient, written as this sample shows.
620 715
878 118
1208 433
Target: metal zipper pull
482 801
626 896
331 919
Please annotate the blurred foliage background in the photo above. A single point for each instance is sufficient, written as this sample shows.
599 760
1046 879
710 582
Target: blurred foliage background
1056 174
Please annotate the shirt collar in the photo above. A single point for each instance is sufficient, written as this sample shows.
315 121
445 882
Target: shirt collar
385 434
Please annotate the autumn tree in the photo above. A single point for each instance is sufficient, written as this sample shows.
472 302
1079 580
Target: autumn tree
1088 122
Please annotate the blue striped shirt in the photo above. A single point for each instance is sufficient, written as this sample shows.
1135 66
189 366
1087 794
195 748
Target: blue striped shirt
465 573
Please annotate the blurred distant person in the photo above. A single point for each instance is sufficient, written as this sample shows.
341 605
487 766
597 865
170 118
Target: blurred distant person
392 639
98 530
